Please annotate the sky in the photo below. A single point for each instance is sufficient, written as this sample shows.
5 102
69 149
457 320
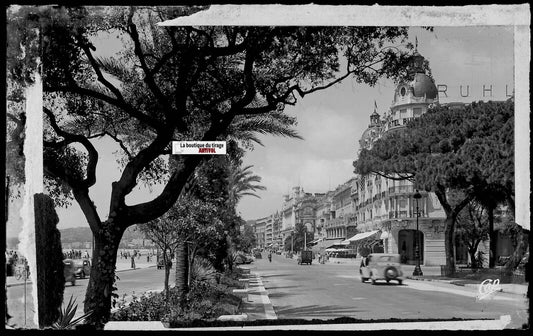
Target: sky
332 121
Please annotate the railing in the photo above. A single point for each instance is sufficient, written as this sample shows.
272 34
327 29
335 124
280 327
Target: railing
404 214
401 189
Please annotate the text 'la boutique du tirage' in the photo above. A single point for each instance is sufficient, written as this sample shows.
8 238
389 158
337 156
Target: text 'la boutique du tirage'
198 147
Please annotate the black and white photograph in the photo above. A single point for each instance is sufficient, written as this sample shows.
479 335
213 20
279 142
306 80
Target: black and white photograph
267 167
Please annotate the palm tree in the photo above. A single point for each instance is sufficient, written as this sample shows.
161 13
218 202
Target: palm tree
245 129
242 182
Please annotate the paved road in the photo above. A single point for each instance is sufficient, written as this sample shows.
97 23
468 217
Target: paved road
325 291
132 282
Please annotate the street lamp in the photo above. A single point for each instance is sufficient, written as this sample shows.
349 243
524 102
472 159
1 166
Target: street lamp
305 238
417 270
292 243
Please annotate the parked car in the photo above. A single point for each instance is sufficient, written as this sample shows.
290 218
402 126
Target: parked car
83 268
381 266
69 270
243 259
305 257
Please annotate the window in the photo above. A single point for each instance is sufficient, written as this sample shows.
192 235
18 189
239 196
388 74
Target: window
417 111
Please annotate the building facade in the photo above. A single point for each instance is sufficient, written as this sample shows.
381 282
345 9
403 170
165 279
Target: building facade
260 231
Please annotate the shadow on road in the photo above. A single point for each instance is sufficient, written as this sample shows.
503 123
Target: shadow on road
273 275
387 284
323 312
282 287
279 295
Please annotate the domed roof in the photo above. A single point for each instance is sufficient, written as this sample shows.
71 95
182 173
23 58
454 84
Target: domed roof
424 85
368 136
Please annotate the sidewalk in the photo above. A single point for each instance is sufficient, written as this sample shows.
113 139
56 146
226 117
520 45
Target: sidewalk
121 266
257 305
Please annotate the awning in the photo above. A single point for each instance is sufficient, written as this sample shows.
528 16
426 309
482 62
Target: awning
326 243
384 235
362 235
338 250
316 241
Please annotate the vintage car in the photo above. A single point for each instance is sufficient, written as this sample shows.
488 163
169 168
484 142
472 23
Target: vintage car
83 268
305 257
242 258
381 266
69 269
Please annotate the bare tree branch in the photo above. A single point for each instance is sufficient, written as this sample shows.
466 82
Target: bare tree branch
70 138
148 74
129 109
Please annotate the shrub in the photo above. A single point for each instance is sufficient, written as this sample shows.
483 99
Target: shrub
205 301
203 271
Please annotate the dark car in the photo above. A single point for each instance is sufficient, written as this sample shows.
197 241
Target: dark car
69 270
305 257
83 268
243 259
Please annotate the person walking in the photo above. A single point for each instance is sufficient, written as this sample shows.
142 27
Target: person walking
270 256
132 261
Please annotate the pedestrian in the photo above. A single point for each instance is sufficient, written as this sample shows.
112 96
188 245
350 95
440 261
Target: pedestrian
270 256
133 261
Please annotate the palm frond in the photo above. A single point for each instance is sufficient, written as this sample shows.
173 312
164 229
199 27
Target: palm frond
66 316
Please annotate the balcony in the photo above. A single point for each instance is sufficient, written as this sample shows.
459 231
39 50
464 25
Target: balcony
401 189
404 214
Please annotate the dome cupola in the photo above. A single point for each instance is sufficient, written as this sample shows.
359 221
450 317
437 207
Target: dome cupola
424 86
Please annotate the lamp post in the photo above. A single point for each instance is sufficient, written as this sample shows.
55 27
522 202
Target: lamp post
305 239
292 243
417 271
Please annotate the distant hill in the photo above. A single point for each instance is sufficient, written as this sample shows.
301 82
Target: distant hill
84 234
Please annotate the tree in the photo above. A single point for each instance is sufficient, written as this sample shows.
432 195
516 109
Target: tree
194 224
247 239
447 149
241 183
473 228
168 83
164 234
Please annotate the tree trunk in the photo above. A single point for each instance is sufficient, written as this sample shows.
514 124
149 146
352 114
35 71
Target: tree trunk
472 253
191 255
182 270
167 274
102 280
492 236
448 245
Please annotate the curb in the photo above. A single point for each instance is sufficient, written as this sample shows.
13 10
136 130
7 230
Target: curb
261 291
496 324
